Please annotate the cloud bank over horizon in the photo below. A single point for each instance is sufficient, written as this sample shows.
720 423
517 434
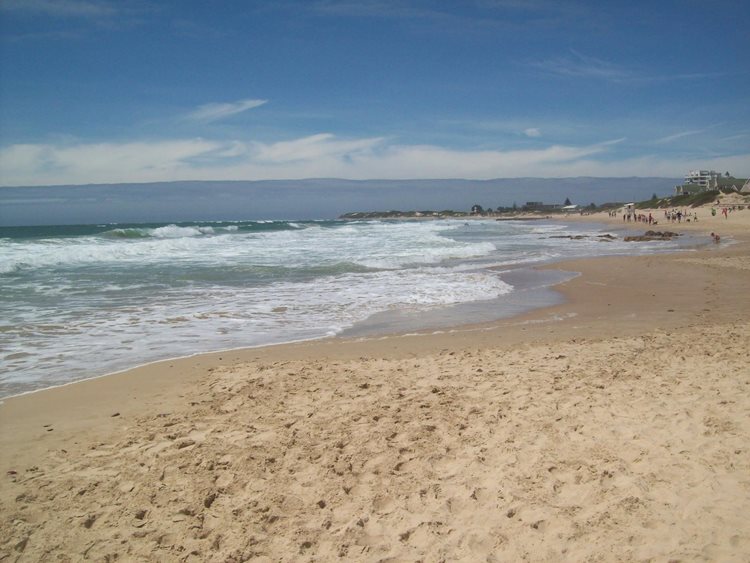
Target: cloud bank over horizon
322 156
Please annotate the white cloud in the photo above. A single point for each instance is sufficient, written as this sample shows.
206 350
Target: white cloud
100 162
427 161
212 112
315 147
532 132
322 155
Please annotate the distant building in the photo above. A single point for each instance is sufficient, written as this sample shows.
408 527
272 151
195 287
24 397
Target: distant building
703 178
697 181
727 183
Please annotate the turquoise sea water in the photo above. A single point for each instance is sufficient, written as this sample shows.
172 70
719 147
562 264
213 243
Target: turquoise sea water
82 301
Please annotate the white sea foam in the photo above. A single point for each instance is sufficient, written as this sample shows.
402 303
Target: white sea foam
173 231
78 306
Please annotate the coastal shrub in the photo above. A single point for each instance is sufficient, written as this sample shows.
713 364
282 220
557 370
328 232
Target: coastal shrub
686 200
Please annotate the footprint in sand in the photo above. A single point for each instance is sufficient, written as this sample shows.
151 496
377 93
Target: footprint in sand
383 504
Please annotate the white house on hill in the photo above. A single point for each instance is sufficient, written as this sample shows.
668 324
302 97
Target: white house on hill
703 178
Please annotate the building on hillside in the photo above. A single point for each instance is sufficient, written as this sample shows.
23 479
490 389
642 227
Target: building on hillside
726 183
697 181
704 178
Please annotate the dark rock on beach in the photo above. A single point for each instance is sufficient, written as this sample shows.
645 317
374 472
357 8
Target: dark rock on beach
652 235
600 238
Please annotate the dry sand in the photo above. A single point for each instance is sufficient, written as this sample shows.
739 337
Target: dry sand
613 427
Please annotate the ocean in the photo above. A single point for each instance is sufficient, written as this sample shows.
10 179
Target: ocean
82 301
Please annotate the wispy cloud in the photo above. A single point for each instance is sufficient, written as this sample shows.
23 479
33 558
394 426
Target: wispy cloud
687 133
680 135
532 132
466 16
213 112
691 76
367 8
44 36
197 30
61 8
736 137
578 65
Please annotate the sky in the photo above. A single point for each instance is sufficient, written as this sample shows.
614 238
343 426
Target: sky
104 91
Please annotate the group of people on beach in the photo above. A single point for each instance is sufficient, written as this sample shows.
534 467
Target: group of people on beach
671 215
677 215
724 211
639 218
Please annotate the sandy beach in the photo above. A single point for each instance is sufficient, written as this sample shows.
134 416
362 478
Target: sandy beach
612 427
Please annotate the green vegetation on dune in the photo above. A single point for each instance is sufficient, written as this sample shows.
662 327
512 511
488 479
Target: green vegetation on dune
686 200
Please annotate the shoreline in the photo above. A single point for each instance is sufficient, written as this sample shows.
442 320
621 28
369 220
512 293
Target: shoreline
624 322
350 333
533 315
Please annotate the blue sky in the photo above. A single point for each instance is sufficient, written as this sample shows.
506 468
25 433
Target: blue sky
96 91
